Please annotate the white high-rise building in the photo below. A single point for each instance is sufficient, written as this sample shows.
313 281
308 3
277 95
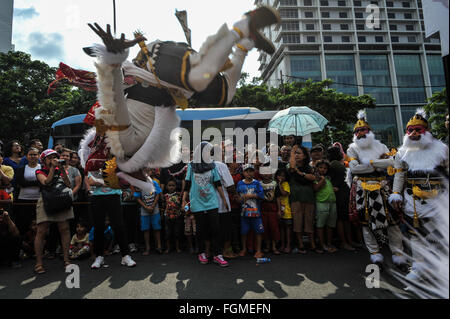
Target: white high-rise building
6 18
365 47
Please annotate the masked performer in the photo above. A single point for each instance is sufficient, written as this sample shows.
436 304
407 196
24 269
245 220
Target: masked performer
368 161
421 165
135 120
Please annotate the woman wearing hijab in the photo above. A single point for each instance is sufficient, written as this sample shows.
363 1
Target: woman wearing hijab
202 180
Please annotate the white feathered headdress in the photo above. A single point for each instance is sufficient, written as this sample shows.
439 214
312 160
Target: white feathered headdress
420 118
361 120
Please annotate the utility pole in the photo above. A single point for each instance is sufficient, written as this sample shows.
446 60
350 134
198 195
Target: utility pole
114 16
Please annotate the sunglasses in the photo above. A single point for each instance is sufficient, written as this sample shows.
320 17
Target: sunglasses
418 129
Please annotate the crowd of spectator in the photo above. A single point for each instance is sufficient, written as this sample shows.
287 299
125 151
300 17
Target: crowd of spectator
215 210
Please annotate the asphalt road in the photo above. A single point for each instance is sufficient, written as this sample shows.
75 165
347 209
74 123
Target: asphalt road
179 276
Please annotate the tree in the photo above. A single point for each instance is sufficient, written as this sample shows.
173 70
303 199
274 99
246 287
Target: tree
437 109
338 108
27 111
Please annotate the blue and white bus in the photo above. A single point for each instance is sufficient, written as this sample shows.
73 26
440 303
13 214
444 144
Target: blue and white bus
69 131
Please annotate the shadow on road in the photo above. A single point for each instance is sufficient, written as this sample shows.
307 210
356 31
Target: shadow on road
180 276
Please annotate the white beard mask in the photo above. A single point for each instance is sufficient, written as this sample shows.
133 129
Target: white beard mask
423 155
364 142
425 140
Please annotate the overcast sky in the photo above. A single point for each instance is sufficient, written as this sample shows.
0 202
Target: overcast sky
56 31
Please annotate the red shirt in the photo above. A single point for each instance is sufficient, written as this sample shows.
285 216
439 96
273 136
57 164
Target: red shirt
45 171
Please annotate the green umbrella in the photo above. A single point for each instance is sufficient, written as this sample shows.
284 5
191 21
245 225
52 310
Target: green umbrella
298 121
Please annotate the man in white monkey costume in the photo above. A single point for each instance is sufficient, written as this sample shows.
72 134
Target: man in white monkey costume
369 160
421 167
137 117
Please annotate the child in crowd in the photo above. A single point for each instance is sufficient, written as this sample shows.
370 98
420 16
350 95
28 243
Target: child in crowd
28 241
150 216
250 191
282 193
79 246
269 211
326 214
173 216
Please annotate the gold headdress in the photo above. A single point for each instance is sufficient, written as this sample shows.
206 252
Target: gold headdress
418 119
361 121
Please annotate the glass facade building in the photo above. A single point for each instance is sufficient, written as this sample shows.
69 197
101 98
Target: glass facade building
389 59
436 71
376 77
306 66
408 69
382 122
341 69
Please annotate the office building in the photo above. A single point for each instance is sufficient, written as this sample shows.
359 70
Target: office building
365 47
6 18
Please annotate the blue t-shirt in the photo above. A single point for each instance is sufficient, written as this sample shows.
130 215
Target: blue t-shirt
254 187
8 161
203 193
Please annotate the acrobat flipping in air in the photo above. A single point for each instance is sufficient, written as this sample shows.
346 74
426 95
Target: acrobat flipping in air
137 100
